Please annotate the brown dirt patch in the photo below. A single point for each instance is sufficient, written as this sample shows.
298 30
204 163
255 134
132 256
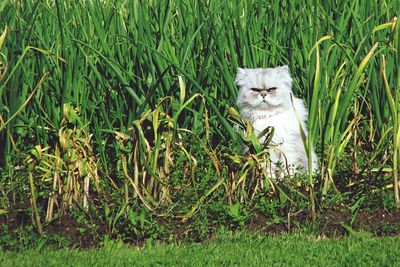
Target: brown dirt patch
330 222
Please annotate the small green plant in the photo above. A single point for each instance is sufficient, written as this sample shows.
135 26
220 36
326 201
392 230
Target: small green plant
238 214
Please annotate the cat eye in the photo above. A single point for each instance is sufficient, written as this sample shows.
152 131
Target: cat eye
257 90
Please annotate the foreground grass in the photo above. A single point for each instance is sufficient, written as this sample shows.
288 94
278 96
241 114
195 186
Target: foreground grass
242 249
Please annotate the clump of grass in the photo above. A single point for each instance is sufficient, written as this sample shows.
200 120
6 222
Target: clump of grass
66 171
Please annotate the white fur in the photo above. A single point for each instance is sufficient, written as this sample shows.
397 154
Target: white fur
276 110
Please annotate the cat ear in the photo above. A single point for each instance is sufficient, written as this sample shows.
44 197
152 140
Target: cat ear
284 68
241 73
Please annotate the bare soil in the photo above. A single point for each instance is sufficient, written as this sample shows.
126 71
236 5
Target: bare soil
330 222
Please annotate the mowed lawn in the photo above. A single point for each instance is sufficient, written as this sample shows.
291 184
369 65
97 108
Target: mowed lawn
236 250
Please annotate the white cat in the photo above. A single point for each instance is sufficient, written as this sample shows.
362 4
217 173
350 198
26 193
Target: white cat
265 99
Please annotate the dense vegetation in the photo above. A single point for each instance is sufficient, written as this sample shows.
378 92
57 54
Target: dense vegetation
123 112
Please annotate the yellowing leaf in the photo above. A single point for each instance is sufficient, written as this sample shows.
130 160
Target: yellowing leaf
182 88
3 36
233 112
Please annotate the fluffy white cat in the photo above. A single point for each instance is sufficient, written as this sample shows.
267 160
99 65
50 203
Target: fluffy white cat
264 98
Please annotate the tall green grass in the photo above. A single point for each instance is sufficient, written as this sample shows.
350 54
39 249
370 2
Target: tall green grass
146 76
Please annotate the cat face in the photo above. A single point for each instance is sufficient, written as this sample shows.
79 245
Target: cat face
264 88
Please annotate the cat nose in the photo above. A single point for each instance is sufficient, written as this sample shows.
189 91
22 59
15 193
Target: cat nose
263 94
